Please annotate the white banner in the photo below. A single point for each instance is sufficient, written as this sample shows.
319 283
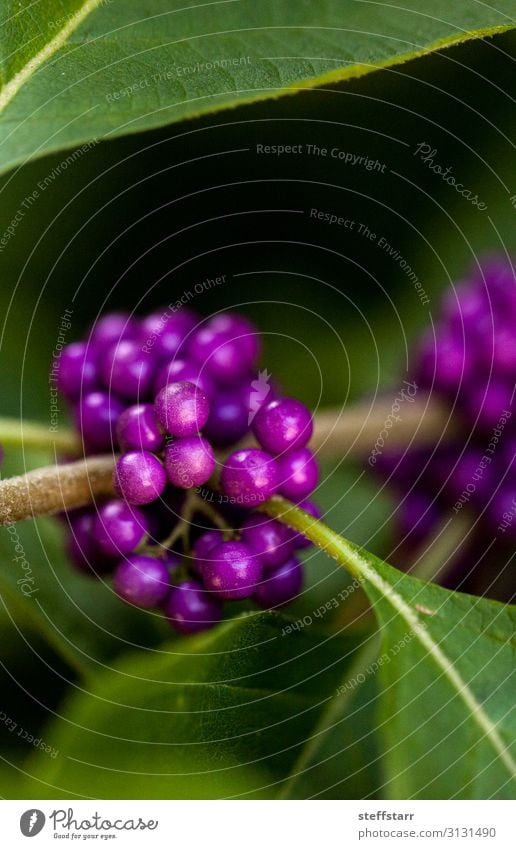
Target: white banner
237 824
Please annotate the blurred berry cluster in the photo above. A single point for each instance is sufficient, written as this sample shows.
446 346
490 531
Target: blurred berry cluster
469 359
165 393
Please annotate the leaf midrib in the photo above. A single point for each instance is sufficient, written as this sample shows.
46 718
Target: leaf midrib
347 556
13 86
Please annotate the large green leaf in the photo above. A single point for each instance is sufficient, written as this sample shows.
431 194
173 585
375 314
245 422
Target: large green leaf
91 69
221 714
342 758
447 673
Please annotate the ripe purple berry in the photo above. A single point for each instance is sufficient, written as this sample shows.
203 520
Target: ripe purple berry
189 461
182 409
179 371
203 545
283 424
83 548
232 571
228 419
267 538
443 363
141 580
249 476
77 370
502 511
417 515
487 403
191 609
113 327
298 474
127 370
139 477
163 334
137 429
119 528
96 416
237 327
280 585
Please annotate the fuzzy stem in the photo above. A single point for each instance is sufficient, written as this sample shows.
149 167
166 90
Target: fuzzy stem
55 488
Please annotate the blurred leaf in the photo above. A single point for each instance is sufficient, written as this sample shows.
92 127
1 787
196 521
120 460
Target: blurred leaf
216 715
107 69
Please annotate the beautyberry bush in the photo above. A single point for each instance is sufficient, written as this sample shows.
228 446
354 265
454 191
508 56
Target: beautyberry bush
167 394
468 359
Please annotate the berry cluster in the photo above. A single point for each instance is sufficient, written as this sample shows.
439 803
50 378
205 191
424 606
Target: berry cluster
165 392
470 359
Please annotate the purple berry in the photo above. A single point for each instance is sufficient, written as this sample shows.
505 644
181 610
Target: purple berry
189 461
77 370
469 474
501 512
488 403
299 540
298 474
96 416
417 515
119 528
82 546
182 408
191 609
228 419
139 477
163 334
249 476
281 585
464 306
498 277
141 580
232 571
127 370
179 371
504 352
237 327
203 545
137 429
443 364
269 539
283 424
111 328
226 358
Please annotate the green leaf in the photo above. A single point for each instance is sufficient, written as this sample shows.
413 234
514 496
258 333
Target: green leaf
217 715
100 69
342 757
446 666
